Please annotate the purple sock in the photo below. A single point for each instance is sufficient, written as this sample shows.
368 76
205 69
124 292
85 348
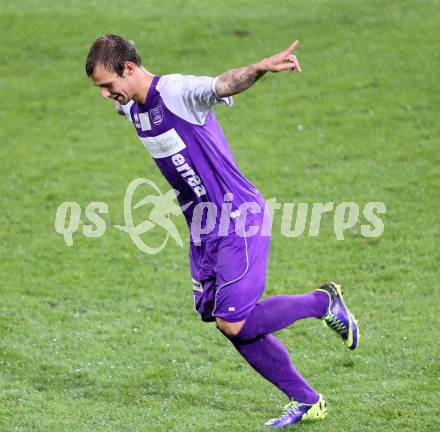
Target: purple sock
269 358
265 353
278 312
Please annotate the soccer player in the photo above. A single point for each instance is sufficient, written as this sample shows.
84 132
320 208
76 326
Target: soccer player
173 117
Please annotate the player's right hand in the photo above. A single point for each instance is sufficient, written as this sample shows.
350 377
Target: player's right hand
284 60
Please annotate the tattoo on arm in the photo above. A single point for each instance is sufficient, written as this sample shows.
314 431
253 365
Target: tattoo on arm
237 80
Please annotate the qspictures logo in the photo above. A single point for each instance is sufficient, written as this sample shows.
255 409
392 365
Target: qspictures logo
68 217
208 218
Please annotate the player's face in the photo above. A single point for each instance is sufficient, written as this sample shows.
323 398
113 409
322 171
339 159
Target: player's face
112 85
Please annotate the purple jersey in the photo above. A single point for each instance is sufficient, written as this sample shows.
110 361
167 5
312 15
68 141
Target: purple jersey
179 129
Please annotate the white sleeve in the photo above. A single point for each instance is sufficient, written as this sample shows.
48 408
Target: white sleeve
200 91
190 97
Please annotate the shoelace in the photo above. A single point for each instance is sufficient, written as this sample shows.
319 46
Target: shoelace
335 323
290 408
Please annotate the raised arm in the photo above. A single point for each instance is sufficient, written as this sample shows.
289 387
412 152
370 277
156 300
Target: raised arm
238 80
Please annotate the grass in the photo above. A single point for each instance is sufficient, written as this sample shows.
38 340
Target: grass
100 337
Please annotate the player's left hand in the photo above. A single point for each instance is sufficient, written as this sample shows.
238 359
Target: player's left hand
284 60
117 105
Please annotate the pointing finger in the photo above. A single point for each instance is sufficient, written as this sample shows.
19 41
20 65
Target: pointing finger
293 46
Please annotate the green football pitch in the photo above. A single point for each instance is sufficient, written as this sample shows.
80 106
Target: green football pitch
102 337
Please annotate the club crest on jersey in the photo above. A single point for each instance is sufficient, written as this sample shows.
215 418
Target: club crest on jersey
156 115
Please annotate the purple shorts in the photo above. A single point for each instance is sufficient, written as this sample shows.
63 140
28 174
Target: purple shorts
229 276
